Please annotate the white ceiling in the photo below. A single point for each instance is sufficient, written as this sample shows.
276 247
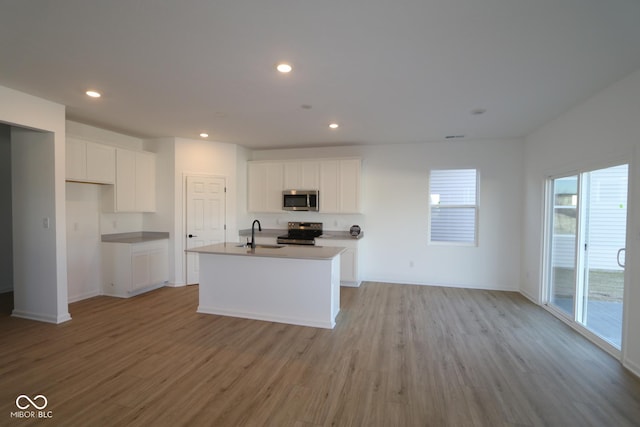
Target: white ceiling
389 71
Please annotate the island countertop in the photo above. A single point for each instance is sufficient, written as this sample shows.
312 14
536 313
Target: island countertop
285 251
134 237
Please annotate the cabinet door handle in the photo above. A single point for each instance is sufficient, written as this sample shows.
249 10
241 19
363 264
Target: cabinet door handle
192 235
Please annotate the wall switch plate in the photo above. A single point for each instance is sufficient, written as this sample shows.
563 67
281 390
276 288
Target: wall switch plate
45 222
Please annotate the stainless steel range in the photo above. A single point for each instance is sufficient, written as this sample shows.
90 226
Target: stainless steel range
301 233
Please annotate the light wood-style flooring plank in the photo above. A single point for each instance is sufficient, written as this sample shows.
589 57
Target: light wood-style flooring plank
400 355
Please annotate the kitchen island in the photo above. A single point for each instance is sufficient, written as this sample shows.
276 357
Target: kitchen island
298 285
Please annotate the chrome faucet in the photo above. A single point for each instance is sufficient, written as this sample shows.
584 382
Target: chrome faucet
253 232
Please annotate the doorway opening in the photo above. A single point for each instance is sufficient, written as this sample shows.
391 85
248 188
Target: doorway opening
6 223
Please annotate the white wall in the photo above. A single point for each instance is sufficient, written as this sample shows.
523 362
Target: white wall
164 217
603 130
83 240
103 136
193 157
243 155
395 212
38 168
6 221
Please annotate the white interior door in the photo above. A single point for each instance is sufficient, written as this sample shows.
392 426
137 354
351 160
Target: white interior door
206 225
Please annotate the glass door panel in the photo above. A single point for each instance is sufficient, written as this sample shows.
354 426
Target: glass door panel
564 233
605 235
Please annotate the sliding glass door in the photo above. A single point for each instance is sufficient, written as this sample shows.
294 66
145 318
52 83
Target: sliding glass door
587 235
564 237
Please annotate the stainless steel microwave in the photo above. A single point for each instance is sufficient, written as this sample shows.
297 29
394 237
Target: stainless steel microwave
300 200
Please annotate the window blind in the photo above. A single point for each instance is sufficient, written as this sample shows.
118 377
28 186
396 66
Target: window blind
453 205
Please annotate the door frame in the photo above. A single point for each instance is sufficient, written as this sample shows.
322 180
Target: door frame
183 234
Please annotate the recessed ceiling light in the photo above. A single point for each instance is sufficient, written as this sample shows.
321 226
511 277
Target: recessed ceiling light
204 135
478 111
334 125
93 94
283 67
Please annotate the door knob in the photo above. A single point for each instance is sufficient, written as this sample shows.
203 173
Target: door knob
192 235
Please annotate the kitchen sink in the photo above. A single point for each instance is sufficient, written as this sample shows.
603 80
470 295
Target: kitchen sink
258 246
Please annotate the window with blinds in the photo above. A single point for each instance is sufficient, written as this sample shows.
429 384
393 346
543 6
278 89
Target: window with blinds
453 202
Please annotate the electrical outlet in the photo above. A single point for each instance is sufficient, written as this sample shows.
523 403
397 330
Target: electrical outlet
45 222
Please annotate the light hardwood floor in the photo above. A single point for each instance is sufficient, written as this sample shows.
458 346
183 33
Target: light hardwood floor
400 355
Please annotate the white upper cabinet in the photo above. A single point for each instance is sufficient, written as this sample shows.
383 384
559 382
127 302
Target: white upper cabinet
329 187
338 181
301 175
135 187
265 185
349 189
340 186
89 162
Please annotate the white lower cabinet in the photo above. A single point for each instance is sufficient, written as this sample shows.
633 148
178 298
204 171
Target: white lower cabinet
129 269
349 275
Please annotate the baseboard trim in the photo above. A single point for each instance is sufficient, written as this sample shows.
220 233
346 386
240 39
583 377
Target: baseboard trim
442 285
350 284
632 367
267 317
175 285
529 297
61 318
84 296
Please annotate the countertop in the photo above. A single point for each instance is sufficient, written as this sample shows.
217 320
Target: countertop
275 232
286 251
340 235
135 237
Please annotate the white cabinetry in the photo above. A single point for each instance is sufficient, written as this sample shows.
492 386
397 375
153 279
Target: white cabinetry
301 175
340 186
132 268
135 187
349 275
89 162
265 185
337 179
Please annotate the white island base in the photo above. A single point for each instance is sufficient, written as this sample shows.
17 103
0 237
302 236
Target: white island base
299 291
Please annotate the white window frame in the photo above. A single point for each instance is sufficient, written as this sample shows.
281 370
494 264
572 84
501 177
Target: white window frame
475 206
